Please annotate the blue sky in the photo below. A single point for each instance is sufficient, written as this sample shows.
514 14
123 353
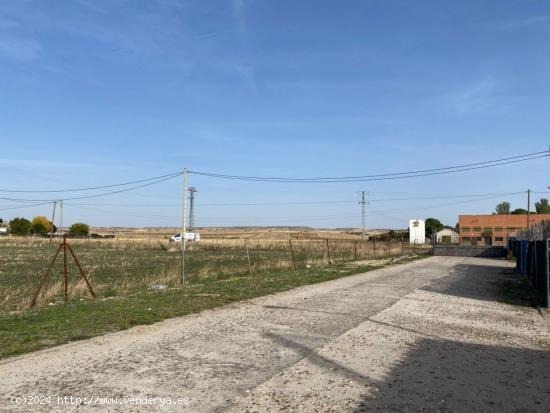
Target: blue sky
99 92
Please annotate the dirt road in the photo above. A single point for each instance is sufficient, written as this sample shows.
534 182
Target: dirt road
430 334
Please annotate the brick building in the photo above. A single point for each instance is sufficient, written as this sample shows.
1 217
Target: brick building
494 229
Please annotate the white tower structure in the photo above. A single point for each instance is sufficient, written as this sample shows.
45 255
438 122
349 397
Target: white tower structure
417 231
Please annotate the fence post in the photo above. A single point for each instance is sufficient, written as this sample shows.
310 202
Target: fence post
354 250
292 254
248 257
328 251
373 248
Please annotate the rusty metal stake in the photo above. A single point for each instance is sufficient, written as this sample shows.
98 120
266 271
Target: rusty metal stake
63 246
81 270
46 275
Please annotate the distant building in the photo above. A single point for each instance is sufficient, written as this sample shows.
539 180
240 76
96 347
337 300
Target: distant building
417 231
447 236
494 229
4 229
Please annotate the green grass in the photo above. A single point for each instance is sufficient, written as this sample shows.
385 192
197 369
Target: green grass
123 277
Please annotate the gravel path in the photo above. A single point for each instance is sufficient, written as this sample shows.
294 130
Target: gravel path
428 334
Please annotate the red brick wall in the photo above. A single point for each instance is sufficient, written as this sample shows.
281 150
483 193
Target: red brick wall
497 227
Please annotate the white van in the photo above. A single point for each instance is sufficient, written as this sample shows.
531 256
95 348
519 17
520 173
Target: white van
189 236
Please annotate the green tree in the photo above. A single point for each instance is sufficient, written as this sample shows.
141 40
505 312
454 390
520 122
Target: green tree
79 229
433 225
542 207
503 208
41 222
20 226
519 211
39 228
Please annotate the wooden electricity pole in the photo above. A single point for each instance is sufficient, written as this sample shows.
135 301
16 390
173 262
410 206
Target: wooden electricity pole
53 220
60 217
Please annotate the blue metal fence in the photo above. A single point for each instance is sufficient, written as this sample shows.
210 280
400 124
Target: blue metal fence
533 260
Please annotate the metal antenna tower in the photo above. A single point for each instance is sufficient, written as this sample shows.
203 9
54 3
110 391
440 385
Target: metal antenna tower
191 225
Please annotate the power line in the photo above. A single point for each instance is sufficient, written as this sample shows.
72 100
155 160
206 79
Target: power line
374 213
238 204
125 213
388 176
24 206
96 195
447 196
382 212
90 188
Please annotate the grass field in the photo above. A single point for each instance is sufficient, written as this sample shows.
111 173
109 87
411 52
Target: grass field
139 282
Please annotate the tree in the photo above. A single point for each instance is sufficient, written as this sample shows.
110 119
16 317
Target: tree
79 229
542 207
20 226
433 225
39 228
41 223
519 211
503 208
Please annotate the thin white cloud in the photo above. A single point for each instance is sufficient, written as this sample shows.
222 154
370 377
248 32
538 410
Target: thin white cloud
8 24
248 75
23 50
92 6
528 22
239 15
39 164
476 97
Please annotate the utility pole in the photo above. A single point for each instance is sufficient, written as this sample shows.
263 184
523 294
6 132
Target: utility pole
183 229
528 206
192 192
362 203
53 220
61 217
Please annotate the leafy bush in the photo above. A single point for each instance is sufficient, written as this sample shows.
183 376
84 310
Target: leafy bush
20 226
79 229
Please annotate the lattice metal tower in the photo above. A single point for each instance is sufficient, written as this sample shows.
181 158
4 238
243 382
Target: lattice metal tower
191 225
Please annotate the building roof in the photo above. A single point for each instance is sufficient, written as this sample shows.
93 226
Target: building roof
502 220
447 231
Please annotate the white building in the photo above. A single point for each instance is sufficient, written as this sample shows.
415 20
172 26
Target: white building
447 236
417 231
